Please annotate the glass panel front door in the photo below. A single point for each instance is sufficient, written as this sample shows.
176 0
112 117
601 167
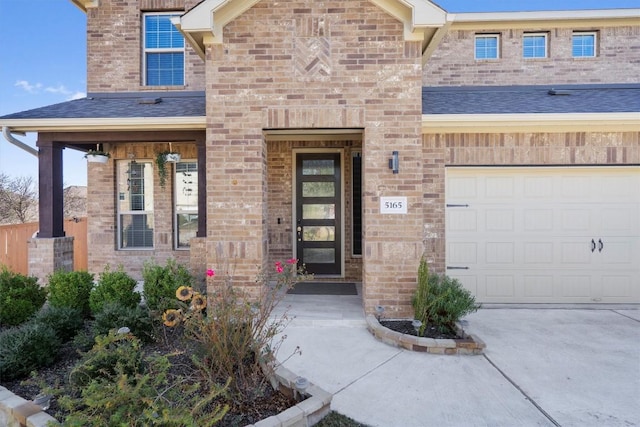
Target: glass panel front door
318 211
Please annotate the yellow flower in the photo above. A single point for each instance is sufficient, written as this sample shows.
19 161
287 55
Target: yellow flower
198 302
171 317
184 293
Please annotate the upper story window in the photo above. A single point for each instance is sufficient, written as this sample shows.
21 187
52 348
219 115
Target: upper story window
135 204
487 46
163 51
584 44
534 45
186 203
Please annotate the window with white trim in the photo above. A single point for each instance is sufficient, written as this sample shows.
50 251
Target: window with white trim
186 203
534 45
583 44
135 204
487 46
163 51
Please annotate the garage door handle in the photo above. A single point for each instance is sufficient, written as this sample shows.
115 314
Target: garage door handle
456 268
600 245
593 245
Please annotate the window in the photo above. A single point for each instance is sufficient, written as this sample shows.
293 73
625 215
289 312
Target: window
186 208
135 205
356 203
163 51
534 45
584 45
487 46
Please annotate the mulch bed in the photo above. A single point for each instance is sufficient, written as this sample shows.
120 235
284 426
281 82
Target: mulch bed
240 413
405 327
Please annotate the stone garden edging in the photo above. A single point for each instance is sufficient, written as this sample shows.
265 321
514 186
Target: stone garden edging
469 345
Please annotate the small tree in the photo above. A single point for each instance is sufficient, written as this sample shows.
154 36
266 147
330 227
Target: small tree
18 198
440 301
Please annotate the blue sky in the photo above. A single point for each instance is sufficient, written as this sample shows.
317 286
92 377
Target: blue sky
44 62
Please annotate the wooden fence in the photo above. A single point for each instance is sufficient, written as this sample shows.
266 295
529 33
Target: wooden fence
14 237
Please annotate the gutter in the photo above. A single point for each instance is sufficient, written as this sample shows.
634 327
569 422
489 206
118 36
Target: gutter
6 132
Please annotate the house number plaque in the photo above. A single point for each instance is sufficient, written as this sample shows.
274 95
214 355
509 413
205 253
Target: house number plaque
393 205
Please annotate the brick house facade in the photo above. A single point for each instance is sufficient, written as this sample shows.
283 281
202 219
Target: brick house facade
270 87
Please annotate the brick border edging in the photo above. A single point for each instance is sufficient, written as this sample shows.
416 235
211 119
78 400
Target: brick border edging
15 410
470 345
304 414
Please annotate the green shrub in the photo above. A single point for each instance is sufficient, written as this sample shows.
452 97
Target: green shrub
440 301
115 382
65 321
111 353
71 289
161 283
20 297
115 316
26 348
113 286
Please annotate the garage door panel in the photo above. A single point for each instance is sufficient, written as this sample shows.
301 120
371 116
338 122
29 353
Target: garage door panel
500 286
499 220
578 285
545 234
538 285
538 253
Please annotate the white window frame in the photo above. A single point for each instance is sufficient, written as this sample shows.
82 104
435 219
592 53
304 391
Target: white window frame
595 43
177 210
146 50
486 36
546 45
124 183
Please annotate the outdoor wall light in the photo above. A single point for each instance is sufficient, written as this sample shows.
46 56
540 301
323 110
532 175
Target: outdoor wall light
394 162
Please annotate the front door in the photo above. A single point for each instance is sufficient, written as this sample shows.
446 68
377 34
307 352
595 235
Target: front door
318 212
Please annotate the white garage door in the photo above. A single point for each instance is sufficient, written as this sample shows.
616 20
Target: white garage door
545 234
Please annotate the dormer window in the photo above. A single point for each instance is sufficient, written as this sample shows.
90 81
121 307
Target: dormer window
163 51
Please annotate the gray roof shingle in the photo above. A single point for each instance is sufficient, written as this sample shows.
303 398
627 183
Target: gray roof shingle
612 98
121 105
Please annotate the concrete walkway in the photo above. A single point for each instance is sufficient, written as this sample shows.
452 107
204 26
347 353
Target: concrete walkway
542 367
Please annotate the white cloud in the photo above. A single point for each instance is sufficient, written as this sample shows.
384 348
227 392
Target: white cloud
28 87
77 95
56 90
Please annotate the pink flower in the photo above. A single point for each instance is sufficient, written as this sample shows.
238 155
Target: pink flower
279 267
292 261
210 272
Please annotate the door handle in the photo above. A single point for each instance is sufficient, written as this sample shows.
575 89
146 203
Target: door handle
593 245
600 245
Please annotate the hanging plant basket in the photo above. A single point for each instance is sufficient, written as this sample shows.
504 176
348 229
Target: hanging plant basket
97 156
172 157
162 159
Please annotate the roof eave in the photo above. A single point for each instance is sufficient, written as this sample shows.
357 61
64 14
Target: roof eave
532 122
83 5
105 124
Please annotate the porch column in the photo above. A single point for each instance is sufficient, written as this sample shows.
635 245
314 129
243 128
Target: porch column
50 189
50 250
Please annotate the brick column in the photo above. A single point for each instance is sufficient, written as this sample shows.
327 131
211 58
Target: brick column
49 255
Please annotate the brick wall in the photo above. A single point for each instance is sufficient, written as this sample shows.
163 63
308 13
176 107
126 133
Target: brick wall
453 63
102 218
47 255
308 64
114 50
520 149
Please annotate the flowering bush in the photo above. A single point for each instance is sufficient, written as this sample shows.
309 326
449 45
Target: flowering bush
232 334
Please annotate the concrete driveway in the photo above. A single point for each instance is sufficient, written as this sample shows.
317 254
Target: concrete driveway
542 367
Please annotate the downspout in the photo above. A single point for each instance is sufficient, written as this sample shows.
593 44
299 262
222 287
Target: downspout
6 132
